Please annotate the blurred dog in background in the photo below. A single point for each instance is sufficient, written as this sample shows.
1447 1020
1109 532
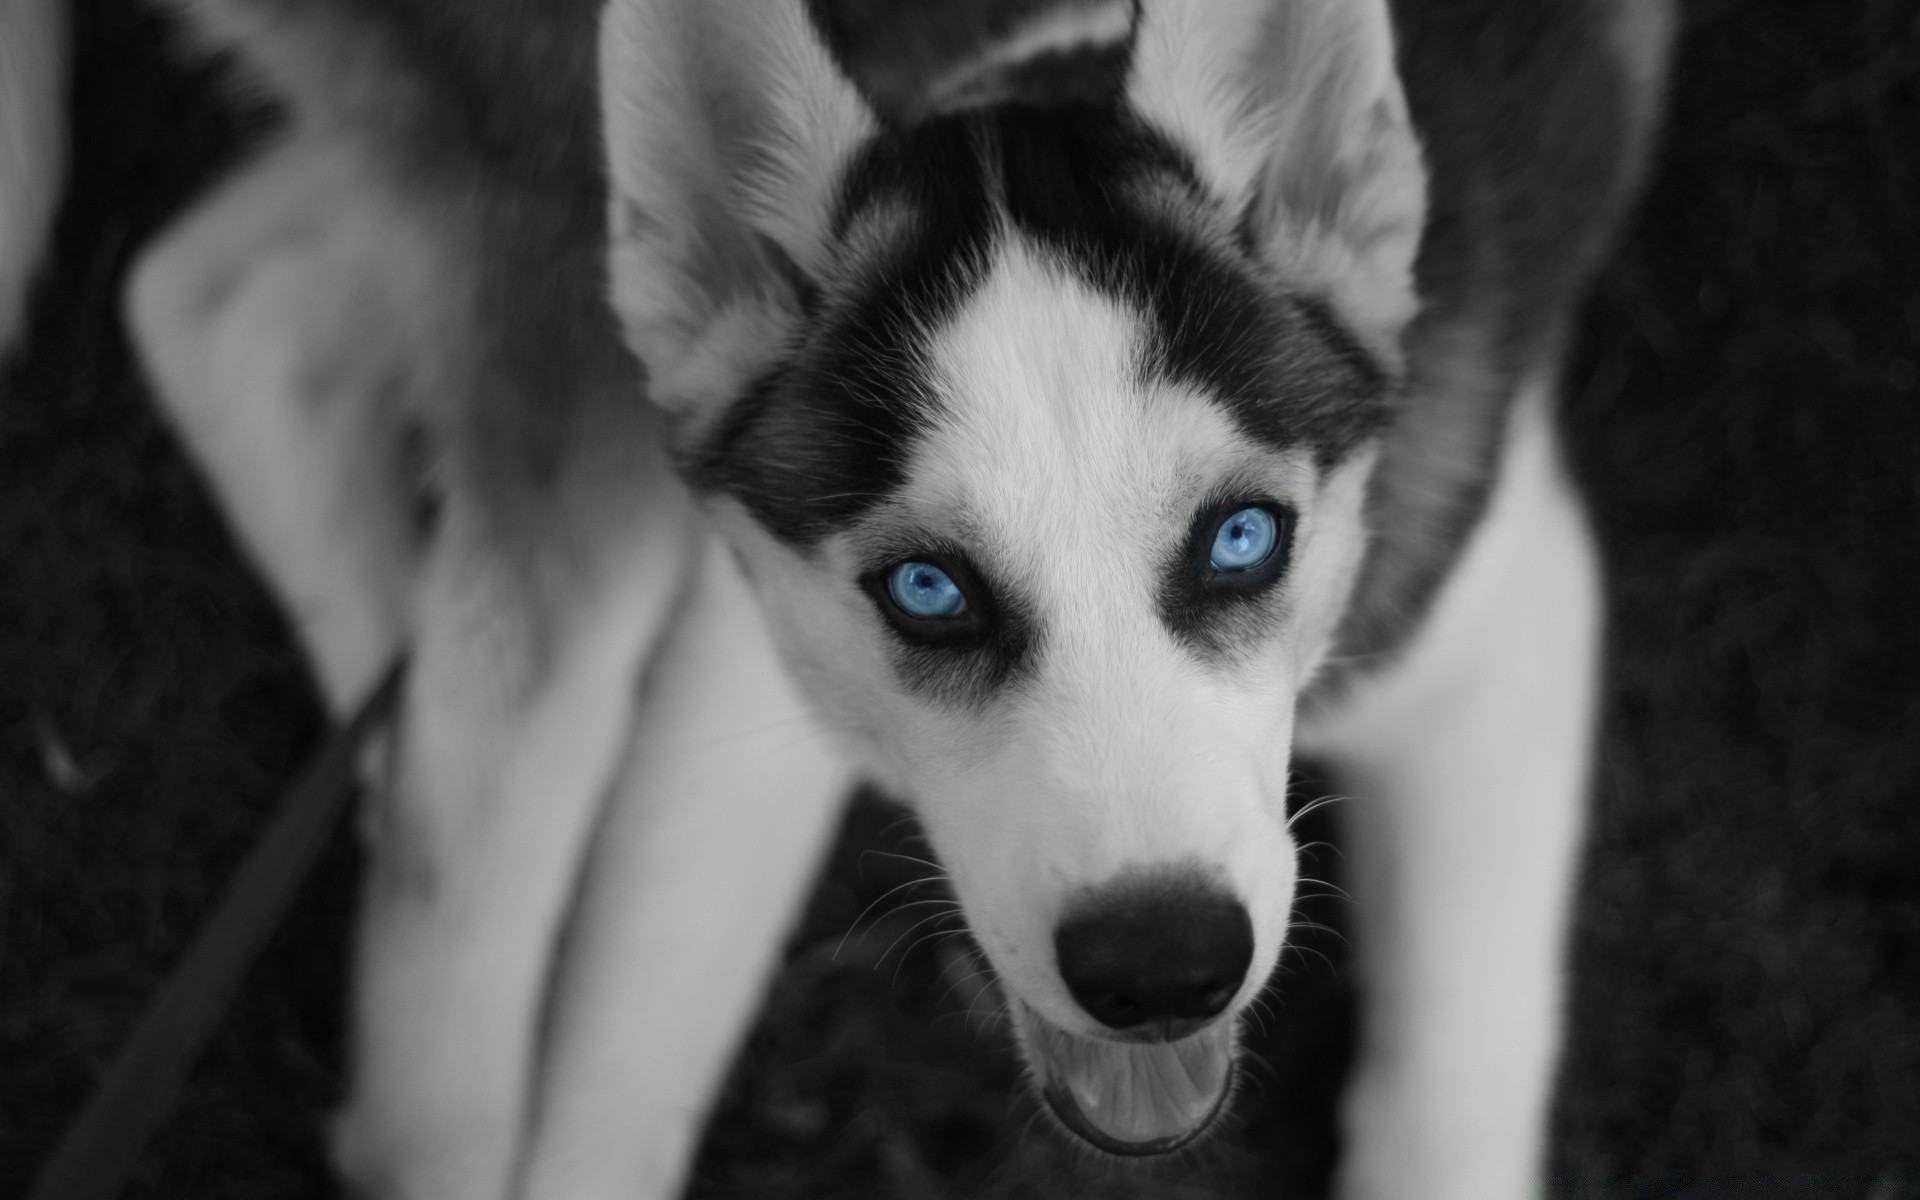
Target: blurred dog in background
1055 411
33 50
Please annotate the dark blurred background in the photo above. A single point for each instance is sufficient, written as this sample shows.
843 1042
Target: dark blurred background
1744 409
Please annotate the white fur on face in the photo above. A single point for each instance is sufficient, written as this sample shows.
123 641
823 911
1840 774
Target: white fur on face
1073 480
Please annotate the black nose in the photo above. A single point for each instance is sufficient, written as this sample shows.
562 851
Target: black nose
1154 948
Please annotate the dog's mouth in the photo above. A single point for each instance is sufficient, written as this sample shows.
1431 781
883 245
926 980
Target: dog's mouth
1130 1098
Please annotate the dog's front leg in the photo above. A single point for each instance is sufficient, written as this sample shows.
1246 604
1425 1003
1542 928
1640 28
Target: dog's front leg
518 701
711 836
1468 764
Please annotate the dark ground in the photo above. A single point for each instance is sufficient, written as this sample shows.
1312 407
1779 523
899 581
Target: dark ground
1745 410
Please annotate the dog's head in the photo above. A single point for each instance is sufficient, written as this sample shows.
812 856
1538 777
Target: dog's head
1042 429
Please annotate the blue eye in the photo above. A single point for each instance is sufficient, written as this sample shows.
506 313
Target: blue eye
1243 541
921 589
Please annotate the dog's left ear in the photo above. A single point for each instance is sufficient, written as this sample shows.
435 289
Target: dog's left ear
727 128
1294 112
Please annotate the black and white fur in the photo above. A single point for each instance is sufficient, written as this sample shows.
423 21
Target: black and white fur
1315 252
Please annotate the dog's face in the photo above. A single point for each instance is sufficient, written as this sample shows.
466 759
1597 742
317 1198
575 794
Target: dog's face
1049 472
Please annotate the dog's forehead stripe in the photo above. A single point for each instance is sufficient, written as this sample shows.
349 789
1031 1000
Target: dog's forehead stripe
826 436
1078 183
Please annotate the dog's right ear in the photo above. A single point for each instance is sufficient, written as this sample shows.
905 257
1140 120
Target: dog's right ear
728 127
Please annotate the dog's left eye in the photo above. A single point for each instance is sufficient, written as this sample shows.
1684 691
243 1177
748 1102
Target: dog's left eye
1244 540
1240 546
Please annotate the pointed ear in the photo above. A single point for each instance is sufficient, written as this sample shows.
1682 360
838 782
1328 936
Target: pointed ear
728 128
1294 112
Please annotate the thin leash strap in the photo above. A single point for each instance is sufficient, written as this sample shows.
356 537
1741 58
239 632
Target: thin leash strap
100 1148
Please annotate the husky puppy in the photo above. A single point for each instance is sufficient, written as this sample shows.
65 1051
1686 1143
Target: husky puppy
1057 431
1089 450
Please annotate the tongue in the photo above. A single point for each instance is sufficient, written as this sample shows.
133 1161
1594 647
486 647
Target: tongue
1131 1097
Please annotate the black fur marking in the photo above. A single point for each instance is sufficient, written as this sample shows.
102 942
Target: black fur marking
1071 177
1217 614
1320 319
827 436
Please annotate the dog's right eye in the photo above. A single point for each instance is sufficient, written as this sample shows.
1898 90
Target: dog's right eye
1239 546
924 591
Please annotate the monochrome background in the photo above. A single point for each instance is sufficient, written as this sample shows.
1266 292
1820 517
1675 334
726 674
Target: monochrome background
1743 409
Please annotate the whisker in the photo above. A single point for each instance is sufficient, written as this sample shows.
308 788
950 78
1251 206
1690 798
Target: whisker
1314 806
945 912
904 858
897 822
1334 891
1255 1014
1001 1015
911 883
734 736
1303 951
902 960
969 977
1316 927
